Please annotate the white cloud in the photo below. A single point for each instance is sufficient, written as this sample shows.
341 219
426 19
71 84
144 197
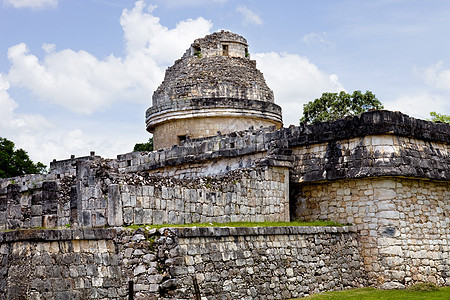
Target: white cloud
437 77
84 84
295 81
249 17
190 3
34 4
431 97
45 140
145 35
316 39
22 129
419 105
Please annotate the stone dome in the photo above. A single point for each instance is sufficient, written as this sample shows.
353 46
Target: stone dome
215 86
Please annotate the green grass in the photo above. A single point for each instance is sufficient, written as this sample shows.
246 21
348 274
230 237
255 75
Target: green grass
374 294
242 224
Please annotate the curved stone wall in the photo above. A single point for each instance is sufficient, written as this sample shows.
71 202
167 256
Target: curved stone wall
170 133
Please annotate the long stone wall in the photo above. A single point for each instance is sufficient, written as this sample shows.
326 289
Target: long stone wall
179 263
403 224
98 193
255 195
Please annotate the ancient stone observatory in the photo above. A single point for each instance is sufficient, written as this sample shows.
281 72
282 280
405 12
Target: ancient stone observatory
213 87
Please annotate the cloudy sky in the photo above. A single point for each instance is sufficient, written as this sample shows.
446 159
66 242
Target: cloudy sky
77 76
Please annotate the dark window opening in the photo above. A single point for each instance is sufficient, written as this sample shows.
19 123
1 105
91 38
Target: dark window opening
232 145
196 51
130 290
129 163
182 138
225 50
246 52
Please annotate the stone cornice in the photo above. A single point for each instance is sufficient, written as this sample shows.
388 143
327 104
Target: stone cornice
212 107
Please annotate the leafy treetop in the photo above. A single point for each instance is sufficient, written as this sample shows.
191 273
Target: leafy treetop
333 106
16 162
437 117
144 146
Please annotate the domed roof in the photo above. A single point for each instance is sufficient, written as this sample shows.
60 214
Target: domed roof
205 72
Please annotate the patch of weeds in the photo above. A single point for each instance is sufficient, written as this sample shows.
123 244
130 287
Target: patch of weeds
423 287
198 54
151 242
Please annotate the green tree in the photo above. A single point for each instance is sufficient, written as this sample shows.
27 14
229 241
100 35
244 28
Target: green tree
144 146
437 117
16 162
333 106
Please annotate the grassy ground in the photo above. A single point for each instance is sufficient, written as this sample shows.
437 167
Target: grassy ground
243 224
374 294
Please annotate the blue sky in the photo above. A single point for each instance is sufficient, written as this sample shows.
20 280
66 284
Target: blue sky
77 76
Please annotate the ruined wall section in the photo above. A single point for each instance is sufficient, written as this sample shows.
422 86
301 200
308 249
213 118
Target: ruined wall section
373 144
403 224
387 174
175 263
43 200
60 264
251 194
35 201
212 45
257 195
228 151
372 156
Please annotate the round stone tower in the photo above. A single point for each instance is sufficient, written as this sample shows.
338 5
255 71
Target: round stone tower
213 87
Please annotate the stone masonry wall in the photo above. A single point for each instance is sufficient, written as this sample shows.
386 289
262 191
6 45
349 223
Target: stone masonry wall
371 155
263 263
260 194
36 201
178 263
60 264
404 224
168 134
211 45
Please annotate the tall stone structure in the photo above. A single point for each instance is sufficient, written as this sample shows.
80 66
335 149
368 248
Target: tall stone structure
214 87
69 234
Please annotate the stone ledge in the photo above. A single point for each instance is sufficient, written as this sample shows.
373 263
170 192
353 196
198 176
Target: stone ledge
187 232
57 234
209 107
